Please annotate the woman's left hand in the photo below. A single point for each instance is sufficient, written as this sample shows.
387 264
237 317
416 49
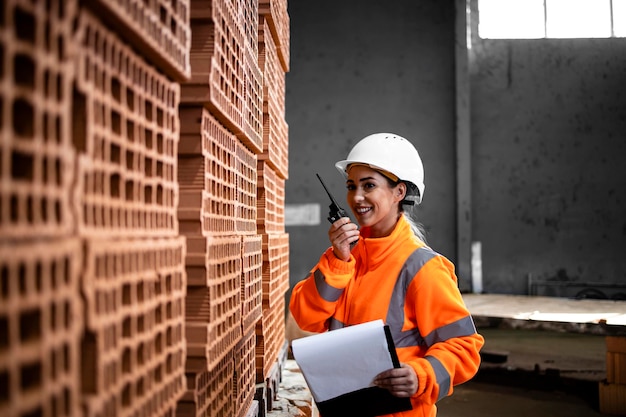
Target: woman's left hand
400 382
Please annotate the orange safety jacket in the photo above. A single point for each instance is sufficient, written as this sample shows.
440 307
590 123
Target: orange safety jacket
410 287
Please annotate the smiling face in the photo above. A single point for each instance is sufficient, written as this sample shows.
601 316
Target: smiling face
373 200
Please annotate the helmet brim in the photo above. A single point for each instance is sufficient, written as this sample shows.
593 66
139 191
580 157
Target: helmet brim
342 166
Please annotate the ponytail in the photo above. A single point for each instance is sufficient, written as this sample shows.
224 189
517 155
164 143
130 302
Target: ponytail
408 207
416 227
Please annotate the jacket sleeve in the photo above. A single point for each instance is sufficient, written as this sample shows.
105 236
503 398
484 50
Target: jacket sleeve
452 344
314 299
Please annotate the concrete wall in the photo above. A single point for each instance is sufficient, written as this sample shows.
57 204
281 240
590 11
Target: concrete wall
548 133
549 141
360 67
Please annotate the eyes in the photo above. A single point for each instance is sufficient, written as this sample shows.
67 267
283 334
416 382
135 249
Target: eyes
367 186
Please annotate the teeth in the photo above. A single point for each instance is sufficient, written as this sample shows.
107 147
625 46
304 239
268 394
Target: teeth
362 210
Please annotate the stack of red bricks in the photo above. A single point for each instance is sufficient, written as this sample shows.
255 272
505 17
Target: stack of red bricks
272 172
232 172
93 282
143 255
613 391
40 257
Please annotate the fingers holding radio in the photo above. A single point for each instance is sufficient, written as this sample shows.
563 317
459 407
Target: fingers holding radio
342 234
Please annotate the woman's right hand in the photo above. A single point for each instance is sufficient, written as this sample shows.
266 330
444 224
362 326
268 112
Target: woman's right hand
341 234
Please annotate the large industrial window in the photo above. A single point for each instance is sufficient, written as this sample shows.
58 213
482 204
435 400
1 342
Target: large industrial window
534 19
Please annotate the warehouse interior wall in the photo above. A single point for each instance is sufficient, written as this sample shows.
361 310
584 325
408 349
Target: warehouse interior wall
547 120
548 134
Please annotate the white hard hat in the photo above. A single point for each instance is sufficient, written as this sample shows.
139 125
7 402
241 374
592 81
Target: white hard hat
391 153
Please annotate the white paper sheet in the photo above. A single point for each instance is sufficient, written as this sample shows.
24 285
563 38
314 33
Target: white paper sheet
344 360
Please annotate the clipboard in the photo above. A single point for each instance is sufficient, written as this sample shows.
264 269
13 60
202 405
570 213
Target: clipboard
339 367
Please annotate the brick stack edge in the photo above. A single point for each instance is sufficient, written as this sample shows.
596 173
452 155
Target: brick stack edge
612 391
143 254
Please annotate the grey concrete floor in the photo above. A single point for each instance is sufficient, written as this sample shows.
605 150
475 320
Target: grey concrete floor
545 373
479 399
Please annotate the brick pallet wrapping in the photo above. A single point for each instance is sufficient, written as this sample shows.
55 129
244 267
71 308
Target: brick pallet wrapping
612 392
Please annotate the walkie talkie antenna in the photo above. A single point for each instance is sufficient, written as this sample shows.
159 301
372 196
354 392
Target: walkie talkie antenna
335 211
327 192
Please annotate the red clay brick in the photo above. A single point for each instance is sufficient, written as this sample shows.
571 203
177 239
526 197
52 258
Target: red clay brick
275 267
246 204
270 200
40 327
252 134
209 392
270 335
208 179
275 11
126 128
217 62
244 373
35 123
275 128
213 304
252 281
160 29
134 346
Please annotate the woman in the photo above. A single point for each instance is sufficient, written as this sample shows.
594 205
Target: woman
391 274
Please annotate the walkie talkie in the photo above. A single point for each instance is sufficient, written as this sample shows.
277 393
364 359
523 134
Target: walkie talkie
336 212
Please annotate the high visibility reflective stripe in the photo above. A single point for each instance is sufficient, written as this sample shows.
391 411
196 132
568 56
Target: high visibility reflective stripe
442 376
327 292
459 328
395 314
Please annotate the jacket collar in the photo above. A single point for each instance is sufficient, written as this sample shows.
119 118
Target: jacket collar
374 250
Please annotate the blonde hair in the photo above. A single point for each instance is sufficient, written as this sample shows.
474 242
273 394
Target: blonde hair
408 207
416 227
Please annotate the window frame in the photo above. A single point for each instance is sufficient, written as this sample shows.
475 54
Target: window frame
612 23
